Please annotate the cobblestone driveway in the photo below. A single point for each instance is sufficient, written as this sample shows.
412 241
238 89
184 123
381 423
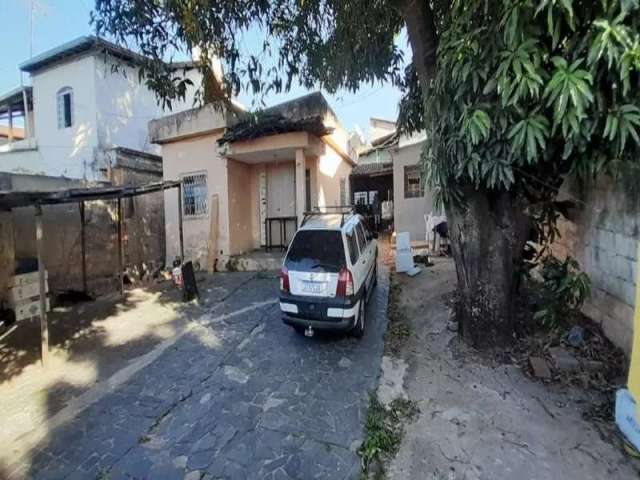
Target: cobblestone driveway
240 395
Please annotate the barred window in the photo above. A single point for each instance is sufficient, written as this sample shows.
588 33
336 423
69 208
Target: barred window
412 183
194 194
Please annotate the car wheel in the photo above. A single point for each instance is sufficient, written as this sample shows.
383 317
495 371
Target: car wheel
358 330
375 275
299 330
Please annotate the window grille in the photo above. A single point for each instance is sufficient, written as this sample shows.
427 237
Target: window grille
194 194
412 182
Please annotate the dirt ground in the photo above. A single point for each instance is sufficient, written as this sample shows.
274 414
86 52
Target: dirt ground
481 419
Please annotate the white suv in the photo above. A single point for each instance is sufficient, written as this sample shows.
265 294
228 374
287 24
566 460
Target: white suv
328 274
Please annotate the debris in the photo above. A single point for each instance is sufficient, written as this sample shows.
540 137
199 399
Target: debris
563 360
539 367
592 366
414 271
575 337
423 259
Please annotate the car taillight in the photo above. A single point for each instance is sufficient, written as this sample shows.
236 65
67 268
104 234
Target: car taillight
284 280
345 283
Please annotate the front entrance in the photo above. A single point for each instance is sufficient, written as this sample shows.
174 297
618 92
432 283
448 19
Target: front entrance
281 220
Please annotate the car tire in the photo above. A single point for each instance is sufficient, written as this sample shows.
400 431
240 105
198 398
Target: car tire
358 329
299 330
375 274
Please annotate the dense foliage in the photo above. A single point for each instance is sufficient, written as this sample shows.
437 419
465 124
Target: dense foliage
264 45
565 288
528 91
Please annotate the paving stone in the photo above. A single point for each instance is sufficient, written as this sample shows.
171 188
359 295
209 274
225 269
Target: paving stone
274 408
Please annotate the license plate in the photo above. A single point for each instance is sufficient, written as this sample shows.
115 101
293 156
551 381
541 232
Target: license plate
312 287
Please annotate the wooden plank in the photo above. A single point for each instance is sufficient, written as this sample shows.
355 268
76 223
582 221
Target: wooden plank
83 247
26 279
30 308
44 322
212 253
180 230
24 292
120 259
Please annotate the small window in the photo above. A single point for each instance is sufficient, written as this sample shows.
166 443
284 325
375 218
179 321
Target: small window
65 107
412 183
353 248
194 194
362 239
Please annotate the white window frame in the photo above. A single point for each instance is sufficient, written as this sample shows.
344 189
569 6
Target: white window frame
201 207
64 91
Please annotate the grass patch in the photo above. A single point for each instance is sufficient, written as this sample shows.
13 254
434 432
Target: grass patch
383 433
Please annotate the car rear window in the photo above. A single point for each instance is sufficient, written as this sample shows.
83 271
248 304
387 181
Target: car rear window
316 250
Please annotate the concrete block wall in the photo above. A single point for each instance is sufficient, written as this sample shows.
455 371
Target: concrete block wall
603 236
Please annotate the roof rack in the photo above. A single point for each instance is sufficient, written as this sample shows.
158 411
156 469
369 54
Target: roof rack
345 210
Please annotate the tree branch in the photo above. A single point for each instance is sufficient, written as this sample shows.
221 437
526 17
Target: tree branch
423 37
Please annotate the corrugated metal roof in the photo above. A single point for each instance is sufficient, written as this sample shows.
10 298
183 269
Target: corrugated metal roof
372 168
15 199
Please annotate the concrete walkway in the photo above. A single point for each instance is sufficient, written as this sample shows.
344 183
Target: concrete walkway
235 394
481 420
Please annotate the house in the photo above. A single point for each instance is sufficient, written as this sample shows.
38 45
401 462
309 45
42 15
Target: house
390 169
83 121
256 174
86 99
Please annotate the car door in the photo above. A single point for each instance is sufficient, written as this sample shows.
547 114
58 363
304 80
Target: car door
364 261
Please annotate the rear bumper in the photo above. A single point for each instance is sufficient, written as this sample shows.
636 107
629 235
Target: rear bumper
343 325
321 314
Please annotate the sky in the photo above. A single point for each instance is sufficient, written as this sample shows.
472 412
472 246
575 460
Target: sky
57 21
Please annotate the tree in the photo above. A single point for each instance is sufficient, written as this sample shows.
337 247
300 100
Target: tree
514 95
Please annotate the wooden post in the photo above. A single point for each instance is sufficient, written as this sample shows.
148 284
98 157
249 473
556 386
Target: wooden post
83 248
212 253
180 223
44 323
300 184
120 259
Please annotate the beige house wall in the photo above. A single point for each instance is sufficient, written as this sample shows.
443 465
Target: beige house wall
241 207
409 212
188 156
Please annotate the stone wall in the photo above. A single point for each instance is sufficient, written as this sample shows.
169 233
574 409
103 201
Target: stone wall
603 236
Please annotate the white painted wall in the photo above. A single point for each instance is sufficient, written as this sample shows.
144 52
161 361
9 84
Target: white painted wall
124 105
110 108
409 212
67 152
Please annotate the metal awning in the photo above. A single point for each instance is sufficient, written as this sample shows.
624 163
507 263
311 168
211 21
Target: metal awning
15 199
36 199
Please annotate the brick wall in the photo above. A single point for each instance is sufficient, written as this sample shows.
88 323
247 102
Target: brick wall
603 236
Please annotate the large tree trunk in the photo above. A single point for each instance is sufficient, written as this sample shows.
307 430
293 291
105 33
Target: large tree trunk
487 235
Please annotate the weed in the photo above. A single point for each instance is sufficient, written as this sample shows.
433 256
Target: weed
103 474
383 430
565 290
